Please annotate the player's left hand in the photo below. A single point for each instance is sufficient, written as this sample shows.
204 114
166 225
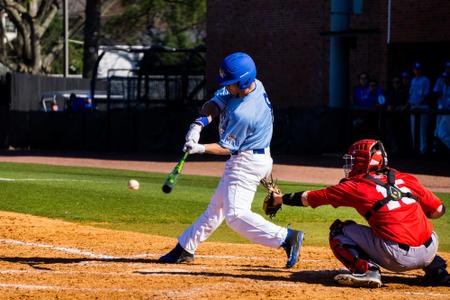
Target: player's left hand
273 200
194 148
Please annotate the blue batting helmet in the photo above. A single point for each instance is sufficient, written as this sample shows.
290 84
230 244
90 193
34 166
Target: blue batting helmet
237 68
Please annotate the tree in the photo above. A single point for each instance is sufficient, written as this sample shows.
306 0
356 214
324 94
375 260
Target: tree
39 26
173 23
32 19
91 36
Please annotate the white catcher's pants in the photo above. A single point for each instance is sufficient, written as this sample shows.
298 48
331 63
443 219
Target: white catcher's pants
232 201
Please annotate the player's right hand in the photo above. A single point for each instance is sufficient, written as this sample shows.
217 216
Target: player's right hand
193 148
194 133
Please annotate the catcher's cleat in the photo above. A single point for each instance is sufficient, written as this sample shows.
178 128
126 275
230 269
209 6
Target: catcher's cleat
370 279
437 277
292 246
177 255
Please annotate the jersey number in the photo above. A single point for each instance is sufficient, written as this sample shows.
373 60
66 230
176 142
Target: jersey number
396 204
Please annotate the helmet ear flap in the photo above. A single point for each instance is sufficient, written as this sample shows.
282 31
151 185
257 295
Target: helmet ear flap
378 157
385 158
369 155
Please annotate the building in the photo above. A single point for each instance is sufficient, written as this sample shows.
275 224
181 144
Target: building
10 31
290 42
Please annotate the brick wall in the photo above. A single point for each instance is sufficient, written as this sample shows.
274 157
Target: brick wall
284 38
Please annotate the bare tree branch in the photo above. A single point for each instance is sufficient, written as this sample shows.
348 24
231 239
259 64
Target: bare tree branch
47 20
14 5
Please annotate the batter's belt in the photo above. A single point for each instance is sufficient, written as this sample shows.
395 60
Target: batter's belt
254 151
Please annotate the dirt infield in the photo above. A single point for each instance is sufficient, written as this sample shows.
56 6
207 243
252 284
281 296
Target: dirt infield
44 258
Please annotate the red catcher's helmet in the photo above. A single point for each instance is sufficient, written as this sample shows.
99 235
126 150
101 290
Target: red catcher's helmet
363 157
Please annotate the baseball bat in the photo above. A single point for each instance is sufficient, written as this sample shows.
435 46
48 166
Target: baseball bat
171 180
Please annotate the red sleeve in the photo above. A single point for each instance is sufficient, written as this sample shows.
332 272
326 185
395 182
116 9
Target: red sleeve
342 194
428 201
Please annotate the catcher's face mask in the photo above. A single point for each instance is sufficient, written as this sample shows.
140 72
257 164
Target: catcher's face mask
348 164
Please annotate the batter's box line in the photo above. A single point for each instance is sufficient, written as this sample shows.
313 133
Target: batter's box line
60 288
90 254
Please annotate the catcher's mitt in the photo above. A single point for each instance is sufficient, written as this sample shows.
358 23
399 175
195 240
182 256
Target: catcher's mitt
271 205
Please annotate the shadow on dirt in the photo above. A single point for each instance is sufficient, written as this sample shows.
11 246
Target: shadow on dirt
323 277
35 262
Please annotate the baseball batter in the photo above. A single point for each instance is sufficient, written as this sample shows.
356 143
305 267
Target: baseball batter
397 207
245 133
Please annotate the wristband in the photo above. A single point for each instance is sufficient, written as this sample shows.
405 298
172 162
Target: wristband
202 120
294 199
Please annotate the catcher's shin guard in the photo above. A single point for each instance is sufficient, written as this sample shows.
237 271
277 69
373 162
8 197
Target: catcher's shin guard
352 256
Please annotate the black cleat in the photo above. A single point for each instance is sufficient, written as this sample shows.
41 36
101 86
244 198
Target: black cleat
177 255
292 246
437 277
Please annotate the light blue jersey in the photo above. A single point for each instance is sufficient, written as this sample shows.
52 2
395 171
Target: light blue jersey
245 123
420 88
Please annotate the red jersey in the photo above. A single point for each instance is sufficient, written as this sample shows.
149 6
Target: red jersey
402 221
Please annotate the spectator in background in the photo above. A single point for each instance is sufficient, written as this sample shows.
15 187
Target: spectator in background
397 94
442 132
406 81
70 102
80 103
367 95
375 96
396 103
418 94
361 90
438 86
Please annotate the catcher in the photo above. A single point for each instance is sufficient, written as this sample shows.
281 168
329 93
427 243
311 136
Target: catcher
397 207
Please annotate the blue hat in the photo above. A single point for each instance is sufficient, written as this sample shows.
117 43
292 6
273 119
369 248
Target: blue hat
238 68
417 66
404 74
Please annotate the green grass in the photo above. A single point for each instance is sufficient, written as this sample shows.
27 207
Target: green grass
100 197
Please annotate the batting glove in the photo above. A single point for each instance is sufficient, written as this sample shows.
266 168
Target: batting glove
193 148
194 133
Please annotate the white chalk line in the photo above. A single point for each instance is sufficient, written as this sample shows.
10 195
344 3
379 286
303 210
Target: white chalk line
67 272
61 288
90 254
58 248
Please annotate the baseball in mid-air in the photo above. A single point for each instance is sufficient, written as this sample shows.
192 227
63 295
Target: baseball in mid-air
133 184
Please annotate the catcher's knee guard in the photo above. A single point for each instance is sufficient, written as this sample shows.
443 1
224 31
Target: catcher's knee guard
352 256
337 226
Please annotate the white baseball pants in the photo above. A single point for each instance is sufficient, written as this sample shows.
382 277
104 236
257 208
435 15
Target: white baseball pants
232 202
